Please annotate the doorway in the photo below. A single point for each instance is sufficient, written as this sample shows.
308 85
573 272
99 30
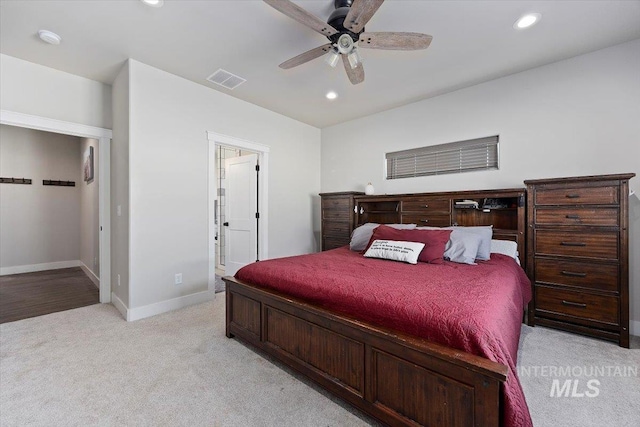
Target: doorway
234 183
235 170
103 166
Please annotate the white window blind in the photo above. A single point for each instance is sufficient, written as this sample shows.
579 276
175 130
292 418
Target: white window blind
454 157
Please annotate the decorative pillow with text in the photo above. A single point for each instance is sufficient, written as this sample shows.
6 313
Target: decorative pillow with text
395 251
434 241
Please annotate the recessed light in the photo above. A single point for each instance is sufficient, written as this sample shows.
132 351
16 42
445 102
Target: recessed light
527 21
331 95
153 3
49 37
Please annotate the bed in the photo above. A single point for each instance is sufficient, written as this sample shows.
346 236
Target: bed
404 349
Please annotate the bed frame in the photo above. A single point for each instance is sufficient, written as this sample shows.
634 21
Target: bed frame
399 379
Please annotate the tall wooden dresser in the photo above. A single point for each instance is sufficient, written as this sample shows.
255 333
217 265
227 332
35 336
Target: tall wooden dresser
577 249
338 218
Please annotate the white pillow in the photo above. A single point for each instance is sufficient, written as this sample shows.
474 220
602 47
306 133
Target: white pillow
361 235
505 247
395 250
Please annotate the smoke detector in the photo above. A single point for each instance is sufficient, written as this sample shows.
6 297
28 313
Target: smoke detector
49 37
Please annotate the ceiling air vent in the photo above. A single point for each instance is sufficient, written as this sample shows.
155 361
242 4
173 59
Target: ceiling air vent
226 79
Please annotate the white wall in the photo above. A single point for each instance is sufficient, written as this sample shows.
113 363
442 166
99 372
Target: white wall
34 89
89 218
169 118
38 224
120 187
575 117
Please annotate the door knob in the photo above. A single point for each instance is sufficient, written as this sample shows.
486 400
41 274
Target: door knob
226 224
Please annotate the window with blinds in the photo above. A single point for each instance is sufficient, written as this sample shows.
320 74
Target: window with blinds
454 157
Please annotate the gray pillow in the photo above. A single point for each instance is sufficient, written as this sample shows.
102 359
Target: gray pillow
361 235
462 247
485 233
461 237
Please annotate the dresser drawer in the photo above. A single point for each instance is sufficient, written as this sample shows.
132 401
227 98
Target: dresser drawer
336 228
426 205
571 273
585 244
336 215
603 217
427 220
336 203
577 196
331 242
586 306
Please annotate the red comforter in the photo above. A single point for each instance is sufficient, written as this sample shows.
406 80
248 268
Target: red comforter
475 308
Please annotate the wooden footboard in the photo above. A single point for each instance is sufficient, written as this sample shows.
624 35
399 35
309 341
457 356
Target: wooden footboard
395 378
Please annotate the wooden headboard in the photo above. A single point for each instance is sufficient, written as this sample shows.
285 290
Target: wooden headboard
503 209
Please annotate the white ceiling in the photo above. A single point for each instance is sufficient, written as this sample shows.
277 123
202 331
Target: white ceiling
473 41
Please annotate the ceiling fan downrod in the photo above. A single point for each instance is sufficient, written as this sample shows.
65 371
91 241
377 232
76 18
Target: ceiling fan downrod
336 20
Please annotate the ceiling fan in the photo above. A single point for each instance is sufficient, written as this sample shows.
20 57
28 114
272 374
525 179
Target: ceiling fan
345 31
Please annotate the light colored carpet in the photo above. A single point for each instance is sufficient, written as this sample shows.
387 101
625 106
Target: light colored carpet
616 396
89 367
220 285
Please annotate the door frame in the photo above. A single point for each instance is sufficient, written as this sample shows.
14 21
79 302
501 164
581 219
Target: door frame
12 118
262 150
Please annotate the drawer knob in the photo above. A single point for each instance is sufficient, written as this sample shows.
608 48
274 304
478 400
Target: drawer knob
573 244
570 216
573 196
574 274
426 206
424 220
574 304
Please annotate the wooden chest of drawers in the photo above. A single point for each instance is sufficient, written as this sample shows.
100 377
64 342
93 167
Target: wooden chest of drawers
577 249
338 216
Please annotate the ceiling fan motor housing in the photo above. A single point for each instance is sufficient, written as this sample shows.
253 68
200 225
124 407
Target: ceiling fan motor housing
342 3
336 20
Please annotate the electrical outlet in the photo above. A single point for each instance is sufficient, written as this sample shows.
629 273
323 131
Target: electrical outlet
178 280
118 280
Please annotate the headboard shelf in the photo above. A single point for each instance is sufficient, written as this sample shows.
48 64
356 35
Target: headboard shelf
504 209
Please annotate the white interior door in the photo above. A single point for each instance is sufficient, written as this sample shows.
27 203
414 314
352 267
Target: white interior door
241 206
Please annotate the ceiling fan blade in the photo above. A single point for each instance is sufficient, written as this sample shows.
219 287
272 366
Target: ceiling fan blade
294 11
394 41
306 56
356 75
360 13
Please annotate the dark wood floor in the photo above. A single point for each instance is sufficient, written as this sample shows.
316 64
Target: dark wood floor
34 294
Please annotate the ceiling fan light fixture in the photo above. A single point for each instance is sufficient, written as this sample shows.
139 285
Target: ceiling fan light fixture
332 58
345 44
354 59
526 21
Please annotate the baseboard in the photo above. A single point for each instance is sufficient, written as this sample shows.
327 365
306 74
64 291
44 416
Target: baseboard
90 274
169 305
634 328
120 306
19 269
